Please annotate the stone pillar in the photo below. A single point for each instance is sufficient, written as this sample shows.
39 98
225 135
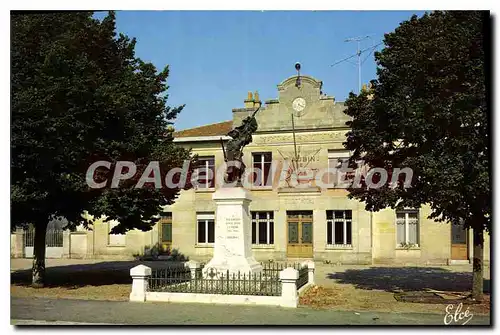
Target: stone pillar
19 243
233 233
310 271
140 275
91 243
289 295
12 245
193 267
66 244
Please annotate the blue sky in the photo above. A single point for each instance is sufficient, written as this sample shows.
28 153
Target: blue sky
216 57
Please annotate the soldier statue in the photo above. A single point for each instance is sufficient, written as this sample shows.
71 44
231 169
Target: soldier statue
240 137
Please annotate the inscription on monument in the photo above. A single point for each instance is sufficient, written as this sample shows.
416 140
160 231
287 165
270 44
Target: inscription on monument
233 227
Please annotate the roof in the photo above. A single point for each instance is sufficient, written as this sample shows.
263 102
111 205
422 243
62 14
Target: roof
214 129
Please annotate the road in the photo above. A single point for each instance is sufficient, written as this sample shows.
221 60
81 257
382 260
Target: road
63 312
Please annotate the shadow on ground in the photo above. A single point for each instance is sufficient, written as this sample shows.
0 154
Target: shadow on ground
398 279
79 275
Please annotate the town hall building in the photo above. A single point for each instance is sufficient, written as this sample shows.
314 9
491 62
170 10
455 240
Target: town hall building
304 126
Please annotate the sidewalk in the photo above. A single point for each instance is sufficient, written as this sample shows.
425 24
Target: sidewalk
128 313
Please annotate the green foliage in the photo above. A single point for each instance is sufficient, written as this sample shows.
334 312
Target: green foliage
428 111
79 94
156 252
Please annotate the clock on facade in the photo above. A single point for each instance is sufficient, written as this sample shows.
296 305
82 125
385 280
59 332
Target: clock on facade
298 105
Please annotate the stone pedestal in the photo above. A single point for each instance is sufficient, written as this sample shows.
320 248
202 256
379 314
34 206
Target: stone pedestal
233 233
140 275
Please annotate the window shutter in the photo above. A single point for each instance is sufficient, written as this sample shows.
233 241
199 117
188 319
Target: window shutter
211 231
201 231
400 227
413 228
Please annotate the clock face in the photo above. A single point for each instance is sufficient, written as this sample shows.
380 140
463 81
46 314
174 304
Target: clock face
299 104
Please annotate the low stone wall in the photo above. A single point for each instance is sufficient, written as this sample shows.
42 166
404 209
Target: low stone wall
76 245
288 278
220 299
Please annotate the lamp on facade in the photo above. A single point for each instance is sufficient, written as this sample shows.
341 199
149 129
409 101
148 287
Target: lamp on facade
297 67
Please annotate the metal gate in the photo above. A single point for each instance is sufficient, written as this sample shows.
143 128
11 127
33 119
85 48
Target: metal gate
53 243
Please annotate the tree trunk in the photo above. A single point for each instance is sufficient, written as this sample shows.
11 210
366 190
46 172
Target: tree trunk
477 266
38 270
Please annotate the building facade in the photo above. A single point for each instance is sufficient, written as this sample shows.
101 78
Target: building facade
321 223
291 219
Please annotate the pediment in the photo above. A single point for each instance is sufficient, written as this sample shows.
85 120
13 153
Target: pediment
305 80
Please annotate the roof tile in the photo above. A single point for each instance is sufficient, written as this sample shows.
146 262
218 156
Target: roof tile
214 129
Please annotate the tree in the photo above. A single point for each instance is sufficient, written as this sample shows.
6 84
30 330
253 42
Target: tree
427 110
79 95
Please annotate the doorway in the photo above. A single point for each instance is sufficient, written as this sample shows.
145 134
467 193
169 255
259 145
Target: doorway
459 245
300 234
165 233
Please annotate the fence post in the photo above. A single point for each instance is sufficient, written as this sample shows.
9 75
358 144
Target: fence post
310 271
90 243
66 243
289 296
140 275
193 267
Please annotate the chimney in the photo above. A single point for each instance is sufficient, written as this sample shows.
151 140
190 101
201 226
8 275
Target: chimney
249 101
257 100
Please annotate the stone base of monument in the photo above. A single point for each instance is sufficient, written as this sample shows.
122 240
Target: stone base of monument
233 233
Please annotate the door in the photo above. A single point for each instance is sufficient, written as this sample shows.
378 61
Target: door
165 232
458 242
300 234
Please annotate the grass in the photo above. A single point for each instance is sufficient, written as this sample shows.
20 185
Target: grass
372 287
93 284
107 280
116 292
347 298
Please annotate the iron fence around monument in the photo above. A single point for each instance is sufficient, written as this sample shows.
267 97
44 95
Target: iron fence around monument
303 276
180 279
168 276
214 282
274 268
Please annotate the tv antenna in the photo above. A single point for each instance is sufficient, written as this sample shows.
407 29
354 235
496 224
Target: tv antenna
358 54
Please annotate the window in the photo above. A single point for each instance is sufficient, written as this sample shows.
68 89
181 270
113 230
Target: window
206 228
115 239
335 160
262 228
407 227
339 228
166 227
204 165
262 167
